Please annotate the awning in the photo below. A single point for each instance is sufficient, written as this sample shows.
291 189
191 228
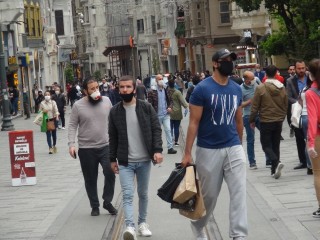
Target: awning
116 48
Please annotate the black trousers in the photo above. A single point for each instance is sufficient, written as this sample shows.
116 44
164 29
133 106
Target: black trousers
301 145
270 135
89 160
63 120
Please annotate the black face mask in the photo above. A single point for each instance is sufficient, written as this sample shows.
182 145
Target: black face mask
127 97
226 68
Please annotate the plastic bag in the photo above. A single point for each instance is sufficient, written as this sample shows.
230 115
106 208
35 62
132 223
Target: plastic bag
44 122
167 190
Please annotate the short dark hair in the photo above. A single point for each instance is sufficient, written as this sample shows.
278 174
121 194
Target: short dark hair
128 78
314 69
195 79
298 61
271 71
88 80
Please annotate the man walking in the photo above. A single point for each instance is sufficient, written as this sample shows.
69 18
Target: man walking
259 73
135 140
248 88
61 104
93 141
162 104
295 85
216 121
270 101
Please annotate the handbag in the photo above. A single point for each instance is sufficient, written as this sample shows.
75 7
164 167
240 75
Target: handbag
167 190
51 125
296 111
187 187
199 210
38 119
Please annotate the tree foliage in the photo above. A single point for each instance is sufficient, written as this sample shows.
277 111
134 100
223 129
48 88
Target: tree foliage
299 21
97 75
68 73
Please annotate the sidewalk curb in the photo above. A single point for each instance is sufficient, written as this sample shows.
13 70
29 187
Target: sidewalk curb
114 225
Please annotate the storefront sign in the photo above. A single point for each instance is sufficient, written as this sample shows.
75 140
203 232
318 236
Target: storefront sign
23 169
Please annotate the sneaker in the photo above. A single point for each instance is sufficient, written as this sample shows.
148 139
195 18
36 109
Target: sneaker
50 150
55 150
144 230
200 234
278 170
316 214
172 151
129 234
95 211
110 208
176 144
253 166
63 128
268 165
59 127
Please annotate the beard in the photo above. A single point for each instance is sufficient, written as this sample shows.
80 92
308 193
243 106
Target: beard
94 102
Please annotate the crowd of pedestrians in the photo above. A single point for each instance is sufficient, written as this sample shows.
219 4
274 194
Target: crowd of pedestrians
125 139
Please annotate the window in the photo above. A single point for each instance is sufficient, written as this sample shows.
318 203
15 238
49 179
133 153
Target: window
199 19
140 26
31 22
59 22
224 12
153 24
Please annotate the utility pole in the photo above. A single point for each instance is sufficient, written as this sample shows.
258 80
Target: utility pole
7 125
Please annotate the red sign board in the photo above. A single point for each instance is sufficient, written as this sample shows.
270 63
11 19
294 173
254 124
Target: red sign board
23 168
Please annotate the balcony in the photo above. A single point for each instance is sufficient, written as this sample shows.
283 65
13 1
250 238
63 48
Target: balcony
256 22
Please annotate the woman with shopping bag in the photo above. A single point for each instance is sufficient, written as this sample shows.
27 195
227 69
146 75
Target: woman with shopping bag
49 107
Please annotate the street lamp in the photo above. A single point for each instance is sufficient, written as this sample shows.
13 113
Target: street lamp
7 125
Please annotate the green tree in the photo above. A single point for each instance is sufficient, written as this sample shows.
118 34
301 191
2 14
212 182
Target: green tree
97 75
68 73
299 22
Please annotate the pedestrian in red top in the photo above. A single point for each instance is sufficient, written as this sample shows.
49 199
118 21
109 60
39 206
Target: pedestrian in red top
313 106
277 76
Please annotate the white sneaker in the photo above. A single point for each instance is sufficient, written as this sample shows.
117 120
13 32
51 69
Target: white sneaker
278 170
144 230
129 234
199 233
63 128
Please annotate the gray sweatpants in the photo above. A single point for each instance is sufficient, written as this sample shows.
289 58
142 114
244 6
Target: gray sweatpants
214 165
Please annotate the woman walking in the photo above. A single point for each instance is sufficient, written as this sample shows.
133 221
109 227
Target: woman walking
50 107
176 114
313 103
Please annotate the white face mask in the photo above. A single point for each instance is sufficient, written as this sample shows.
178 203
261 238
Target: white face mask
161 83
57 92
252 82
47 98
95 95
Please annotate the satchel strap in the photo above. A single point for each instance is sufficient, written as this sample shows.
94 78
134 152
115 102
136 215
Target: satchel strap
317 91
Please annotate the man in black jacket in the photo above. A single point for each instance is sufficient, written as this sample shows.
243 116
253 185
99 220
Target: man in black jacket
135 141
295 84
61 104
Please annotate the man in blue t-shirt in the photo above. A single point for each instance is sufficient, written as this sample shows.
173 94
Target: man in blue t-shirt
216 121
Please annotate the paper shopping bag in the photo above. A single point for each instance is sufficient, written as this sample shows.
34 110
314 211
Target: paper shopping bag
167 190
187 187
199 209
38 119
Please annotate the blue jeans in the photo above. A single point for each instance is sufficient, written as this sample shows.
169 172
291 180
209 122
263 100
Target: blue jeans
250 138
127 173
54 138
304 121
165 121
175 125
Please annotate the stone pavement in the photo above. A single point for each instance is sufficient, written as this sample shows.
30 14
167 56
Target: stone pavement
58 208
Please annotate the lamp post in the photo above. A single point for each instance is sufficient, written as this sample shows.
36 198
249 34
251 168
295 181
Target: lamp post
7 125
